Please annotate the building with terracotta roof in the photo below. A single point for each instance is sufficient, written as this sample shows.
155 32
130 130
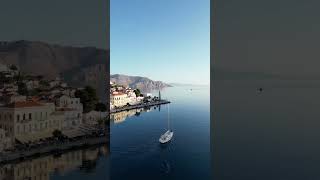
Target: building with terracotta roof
29 120
118 99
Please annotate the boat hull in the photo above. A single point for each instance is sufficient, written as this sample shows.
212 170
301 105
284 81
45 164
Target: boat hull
166 137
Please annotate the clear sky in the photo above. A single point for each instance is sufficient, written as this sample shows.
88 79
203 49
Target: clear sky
167 40
64 22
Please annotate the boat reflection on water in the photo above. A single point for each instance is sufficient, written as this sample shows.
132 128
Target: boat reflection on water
166 167
45 167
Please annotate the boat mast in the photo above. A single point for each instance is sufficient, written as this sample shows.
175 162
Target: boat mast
168 118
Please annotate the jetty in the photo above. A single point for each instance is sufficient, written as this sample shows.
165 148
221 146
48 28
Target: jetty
141 105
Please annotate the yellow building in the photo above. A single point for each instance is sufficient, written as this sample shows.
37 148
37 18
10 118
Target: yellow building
29 120
118 99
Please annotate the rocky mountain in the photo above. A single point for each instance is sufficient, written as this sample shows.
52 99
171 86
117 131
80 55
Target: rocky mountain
142 83
79 66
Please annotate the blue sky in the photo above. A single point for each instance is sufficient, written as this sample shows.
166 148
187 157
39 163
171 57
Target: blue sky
166 40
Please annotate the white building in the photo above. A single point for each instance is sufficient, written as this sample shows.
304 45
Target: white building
72 109
14 98
32 84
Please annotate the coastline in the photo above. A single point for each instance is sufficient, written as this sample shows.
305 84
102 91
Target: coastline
7 157
143 105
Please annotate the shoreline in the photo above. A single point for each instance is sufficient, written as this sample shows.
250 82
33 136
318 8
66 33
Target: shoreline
7 157
143 105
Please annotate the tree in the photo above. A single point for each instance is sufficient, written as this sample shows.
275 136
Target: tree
13 67
22 89
44 83
137 92
88 98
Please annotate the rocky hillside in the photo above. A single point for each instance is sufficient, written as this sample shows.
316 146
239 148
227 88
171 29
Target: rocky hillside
79 66
141 83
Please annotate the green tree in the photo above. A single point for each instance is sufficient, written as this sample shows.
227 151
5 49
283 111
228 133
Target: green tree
13 67
22 89
44 83
88 98
137 92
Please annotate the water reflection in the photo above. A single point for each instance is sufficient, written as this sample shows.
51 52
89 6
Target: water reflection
42 168
120 117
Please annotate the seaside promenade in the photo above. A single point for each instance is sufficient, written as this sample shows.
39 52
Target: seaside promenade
142 105
52 148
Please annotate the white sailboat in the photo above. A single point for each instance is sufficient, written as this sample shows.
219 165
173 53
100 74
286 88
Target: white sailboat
167 136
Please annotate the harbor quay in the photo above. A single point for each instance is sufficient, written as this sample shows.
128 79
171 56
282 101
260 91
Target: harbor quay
53 148
141 105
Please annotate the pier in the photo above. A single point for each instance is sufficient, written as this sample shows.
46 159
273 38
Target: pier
142 105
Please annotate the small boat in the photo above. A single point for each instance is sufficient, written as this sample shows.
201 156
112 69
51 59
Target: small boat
167 136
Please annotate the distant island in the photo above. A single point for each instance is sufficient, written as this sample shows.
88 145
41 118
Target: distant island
138 82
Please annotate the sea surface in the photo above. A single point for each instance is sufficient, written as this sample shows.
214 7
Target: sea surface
136 152
273 134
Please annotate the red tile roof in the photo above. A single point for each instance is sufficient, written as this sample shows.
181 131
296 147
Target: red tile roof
22 104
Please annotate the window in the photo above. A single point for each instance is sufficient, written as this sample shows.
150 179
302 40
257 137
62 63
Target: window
24 117
30 117
18 118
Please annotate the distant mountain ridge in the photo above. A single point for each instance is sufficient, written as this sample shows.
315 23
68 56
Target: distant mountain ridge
142 83
79 66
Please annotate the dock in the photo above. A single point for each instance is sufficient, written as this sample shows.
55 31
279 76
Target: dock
137 106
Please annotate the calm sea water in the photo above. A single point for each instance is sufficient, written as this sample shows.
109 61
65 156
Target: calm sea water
135 149
270 135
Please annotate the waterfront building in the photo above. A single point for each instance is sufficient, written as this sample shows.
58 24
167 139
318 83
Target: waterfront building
72 110
119 99
29 121
14 98
32 84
